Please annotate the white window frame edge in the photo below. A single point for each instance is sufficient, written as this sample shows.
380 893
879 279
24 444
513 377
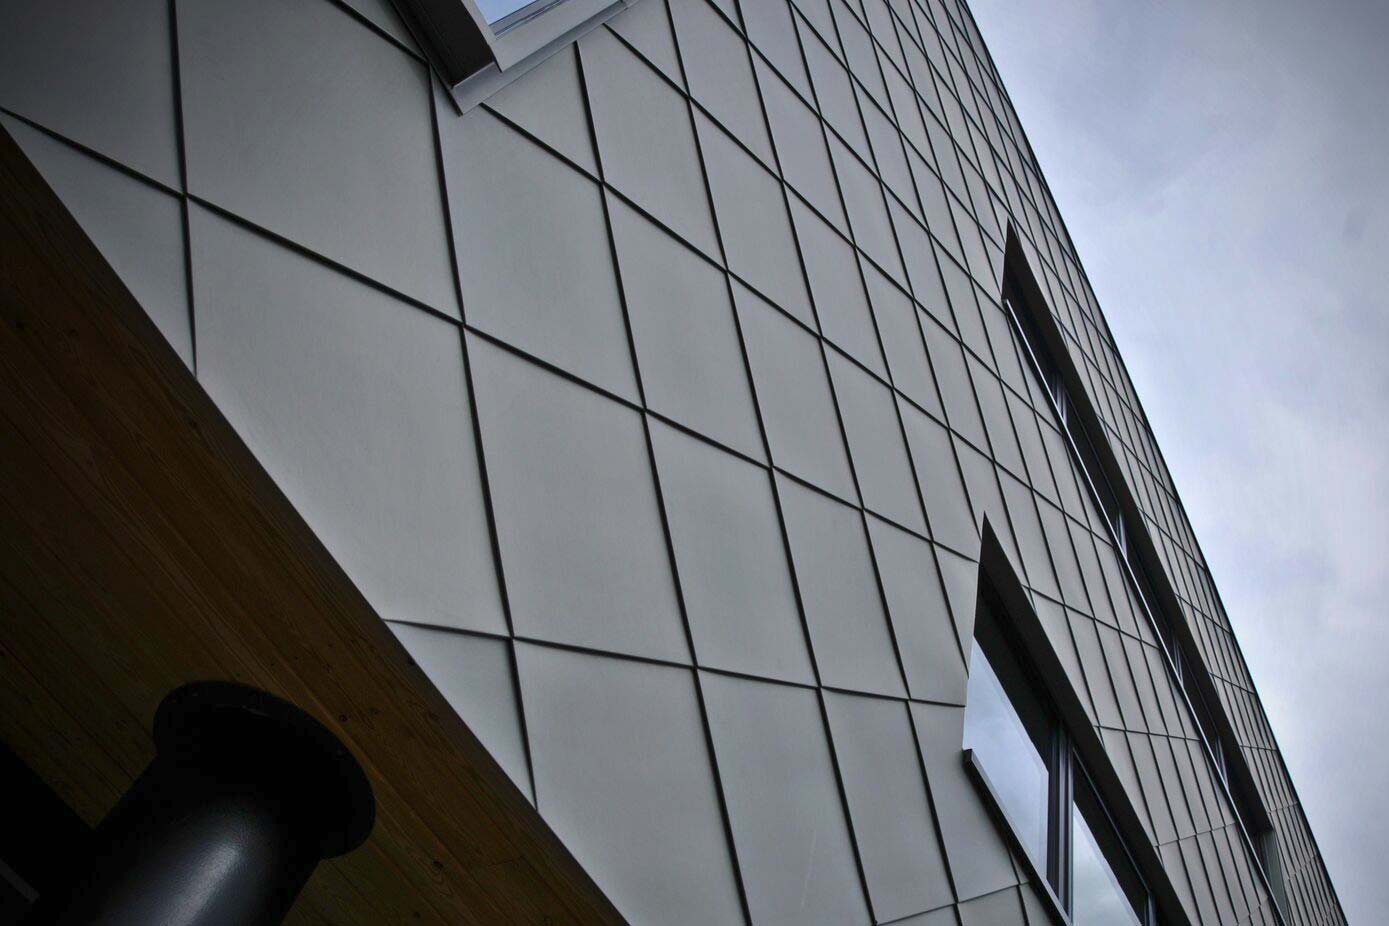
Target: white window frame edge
515 50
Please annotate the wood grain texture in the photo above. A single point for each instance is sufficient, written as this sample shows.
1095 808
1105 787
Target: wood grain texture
142 546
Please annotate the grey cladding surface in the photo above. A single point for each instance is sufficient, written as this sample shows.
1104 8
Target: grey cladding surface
646 140
947 504
356 403
833 90
577 520
321 149
952 376
623 775
889 806
837 289
773 33
848 627
732 560
1003 907
383 15
790 832
646 27
753 221
901 336
921 617
979 862
876 444
720 73
800 145
794 393
868 217
527 277
104 81
549 104
889 154
685 333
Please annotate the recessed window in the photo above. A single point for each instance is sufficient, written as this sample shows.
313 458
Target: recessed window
1272 862
1090 454
502 13
1014 750
1105 887
487 43
496 10
1029 769
1086 456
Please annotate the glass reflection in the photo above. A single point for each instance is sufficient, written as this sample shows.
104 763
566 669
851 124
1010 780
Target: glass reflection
1011 759
1098 899
494 10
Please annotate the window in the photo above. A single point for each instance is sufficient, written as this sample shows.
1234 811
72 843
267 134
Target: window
1049 372
477 46
1013 749
1272 862
1106 889
1089 456
1024 759
496 11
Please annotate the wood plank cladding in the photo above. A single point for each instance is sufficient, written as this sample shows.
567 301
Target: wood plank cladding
143 546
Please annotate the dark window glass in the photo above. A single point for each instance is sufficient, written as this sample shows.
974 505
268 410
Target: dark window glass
1106 891
1272 862
1009 734
1038 781
1089 461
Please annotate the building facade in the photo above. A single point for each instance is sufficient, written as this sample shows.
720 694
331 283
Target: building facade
712 402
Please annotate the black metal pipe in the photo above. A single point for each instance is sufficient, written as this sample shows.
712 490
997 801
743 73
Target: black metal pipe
245 796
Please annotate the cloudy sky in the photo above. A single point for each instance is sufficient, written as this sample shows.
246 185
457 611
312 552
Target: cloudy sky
1224 169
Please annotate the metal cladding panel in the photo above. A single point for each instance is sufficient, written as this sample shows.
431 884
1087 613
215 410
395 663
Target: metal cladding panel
888 805
529 280
101 81
137 226
578 521
550 106
837 287
879 451
659 399
646 139
685 333
319 148
624 774
849 631
358 405
735 574
921 620
789 827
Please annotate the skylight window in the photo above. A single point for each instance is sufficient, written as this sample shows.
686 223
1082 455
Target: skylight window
477 46
503 13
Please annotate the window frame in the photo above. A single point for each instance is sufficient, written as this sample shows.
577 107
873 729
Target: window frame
1066 767
1148 915
1039 719
474 58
